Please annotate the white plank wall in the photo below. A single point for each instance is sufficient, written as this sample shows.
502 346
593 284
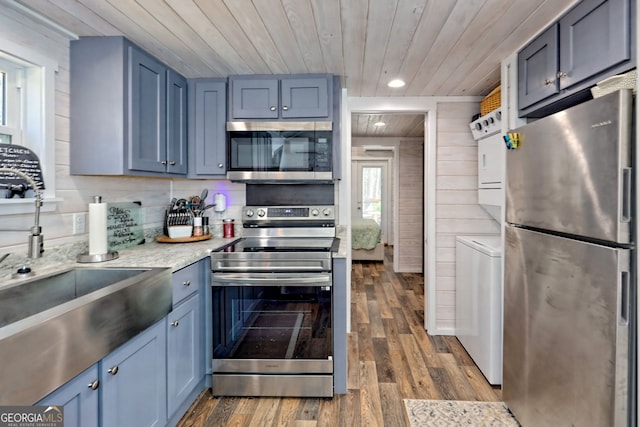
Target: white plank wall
457 209
410 209
76 192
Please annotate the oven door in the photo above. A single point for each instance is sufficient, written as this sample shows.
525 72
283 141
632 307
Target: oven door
272 323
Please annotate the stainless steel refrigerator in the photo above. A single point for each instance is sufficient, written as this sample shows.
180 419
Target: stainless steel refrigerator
569 284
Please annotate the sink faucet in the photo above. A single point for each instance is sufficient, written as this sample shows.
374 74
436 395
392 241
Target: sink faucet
35 239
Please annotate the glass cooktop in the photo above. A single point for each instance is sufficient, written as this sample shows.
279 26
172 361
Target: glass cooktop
283 244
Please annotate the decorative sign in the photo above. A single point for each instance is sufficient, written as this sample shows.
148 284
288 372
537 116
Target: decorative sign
23 159
124 225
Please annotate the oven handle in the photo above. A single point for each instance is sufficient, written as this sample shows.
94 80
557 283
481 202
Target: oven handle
231 279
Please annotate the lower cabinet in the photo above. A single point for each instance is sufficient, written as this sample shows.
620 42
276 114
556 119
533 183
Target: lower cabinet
80 398
126 388
153 378
185 352
134 391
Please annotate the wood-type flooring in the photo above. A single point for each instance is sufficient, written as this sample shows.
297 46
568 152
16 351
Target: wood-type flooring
391 358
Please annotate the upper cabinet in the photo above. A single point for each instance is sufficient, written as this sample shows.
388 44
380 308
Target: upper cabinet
593 40
290 97
207 136
128 111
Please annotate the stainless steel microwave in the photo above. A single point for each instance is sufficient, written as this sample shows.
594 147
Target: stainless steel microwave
279 151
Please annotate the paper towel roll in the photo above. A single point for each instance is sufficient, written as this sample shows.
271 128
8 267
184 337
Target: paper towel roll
97 228
221 202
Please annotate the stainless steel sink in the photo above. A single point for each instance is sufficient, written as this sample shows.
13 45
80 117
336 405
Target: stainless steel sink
55 326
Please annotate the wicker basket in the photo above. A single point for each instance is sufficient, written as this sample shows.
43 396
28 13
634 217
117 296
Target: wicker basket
621 81
491 101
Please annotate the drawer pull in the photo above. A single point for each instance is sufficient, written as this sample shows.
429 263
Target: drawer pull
113 370
175 323
187 283
94 385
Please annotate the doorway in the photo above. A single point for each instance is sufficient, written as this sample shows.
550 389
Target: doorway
353 107
370 193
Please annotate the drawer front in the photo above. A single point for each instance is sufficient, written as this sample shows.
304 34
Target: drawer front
185 282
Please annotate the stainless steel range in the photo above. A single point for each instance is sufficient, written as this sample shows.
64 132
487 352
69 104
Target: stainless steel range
272 304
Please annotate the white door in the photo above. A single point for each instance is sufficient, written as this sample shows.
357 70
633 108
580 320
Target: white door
369 193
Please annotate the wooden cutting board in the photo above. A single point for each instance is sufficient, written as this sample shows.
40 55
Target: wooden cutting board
166 239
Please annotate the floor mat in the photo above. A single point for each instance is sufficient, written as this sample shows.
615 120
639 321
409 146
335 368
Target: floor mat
454 413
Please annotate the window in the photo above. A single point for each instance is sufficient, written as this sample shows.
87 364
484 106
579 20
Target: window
27 116
11 74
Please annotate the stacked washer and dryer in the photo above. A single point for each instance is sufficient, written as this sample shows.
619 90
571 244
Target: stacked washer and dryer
478 259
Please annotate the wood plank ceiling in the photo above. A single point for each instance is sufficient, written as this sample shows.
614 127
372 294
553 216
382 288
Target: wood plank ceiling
439 47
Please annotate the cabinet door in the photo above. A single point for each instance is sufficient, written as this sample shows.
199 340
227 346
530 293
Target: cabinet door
254 99
305 98
594 36
208 144
537 68
147 118
80 399
185 355
176 123
134 381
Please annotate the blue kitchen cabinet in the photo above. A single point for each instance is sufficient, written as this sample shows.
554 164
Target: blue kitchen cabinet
537 68
185 353
185 338
281 97
129 110
177 121
593 40
80 398
153 378
133 385
147 148
256 98
207 128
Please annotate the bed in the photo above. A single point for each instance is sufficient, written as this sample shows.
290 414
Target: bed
366 242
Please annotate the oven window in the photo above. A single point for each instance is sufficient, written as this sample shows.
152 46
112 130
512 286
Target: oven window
271 322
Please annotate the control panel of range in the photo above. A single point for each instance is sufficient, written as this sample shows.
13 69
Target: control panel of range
298 213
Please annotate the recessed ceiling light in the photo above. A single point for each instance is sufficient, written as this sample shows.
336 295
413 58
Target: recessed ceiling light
396 83
379 124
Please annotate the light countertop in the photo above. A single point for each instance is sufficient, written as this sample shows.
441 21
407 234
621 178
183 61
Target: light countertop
149 254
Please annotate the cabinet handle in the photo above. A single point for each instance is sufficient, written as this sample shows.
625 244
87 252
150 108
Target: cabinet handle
548 82
94 385
220 165
561 74
285 108
113 370
187 282
172 162
272 108
164 162
175 323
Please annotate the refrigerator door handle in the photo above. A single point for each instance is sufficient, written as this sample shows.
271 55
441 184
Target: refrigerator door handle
623 295
626 195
